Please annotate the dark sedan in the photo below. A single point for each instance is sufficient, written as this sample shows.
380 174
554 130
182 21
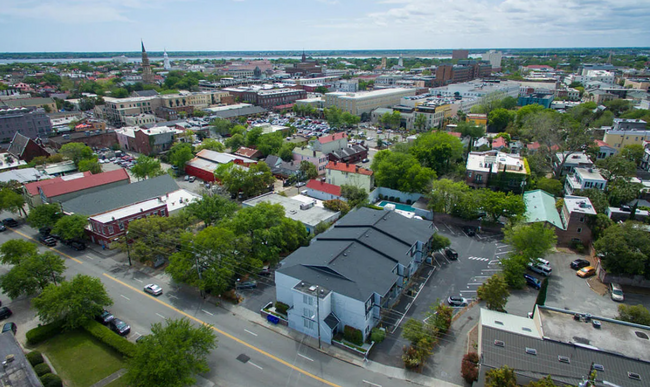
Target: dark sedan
120 327
47 240
469 230
105 317
579 264
451 253
10 222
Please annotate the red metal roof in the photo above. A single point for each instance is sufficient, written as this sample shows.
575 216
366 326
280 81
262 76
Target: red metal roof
455 134
88 181
533 145
499 142
247 152
319 185
346 167
332 137
602 143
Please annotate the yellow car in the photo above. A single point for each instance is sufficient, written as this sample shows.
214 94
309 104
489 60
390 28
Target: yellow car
586 272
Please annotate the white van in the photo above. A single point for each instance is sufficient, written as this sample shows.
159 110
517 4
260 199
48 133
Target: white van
616 292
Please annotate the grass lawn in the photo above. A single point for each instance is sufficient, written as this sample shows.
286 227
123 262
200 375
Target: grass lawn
121 382
80 359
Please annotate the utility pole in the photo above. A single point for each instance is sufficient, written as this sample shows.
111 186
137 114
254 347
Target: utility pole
198 269
318 316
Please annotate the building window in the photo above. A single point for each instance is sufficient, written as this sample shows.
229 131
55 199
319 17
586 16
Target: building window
121 225
582 219
110 230
307 299
579 230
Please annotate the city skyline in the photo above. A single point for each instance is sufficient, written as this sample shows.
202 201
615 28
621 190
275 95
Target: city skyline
249 25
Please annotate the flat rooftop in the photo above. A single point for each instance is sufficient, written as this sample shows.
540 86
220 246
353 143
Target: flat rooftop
174 201
589 173
580 204
311 216
614 337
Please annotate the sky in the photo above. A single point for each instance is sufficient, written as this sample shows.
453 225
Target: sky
249 25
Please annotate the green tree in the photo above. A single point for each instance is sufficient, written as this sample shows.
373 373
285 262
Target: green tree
235 142
252 182
171 355
90 165
13 251
154 237
499 119
633 152
180 154
76 302
624 249
622 190
286 151
494 292
541 296
356 196
552 186
71 227
501 377
253 135
211 144
446 194
401 171
618 106
509 103
637 314
439 242
308 170
597 197
532 240
221 126
237 129
616 166
146 167
497 204
76 152
211 209
321 90
268 230
337 205
270 143
474 132
44 215
514 268
32 274
333 116
420 122
439 151
12 201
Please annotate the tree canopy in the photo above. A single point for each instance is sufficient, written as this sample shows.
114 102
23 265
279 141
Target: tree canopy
146 167
624 249
211 209
76 152
532 240
251 182
401 171
180 154
44 215
71 227
356 197
439 151
494 292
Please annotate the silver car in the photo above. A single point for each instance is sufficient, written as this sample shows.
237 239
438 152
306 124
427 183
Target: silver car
153 289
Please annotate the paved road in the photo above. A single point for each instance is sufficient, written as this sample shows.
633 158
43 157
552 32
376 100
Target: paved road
265 357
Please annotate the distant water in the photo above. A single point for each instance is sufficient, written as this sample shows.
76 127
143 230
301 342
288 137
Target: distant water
160 58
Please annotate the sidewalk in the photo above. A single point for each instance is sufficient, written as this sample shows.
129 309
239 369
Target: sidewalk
393 372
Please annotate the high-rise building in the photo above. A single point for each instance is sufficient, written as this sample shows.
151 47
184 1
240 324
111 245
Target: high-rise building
383 63
400 61
147 75
30 122
459 54
166 64
494 57
462 72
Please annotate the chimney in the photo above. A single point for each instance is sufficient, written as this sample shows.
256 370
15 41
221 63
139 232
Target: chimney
356 168
314 153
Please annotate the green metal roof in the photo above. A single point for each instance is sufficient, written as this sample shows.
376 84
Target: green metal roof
540 207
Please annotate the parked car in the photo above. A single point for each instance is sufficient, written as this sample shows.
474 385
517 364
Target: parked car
586 272
77 245
457 301
2 228
192 178
532 281
365 160
5 313
105 317
300 184
247 285
543 262
10 222
451 253
187 177
469 230
9 327
120 327
153 289
616 292
540 269
579 264
47 240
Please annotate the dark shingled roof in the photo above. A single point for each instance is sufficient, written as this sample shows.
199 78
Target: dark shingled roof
18 144
340 259
117 197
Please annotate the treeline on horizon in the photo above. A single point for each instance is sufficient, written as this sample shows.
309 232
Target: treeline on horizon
261 54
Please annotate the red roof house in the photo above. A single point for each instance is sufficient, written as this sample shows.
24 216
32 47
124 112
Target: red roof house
332 137
499 143
347 167
324 188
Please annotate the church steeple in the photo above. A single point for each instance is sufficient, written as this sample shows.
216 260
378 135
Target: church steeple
147 74
143 50
304 58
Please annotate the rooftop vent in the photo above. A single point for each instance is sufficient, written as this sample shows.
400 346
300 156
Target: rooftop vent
498 322
596 324
641 335
634 376
599 367
526 329
531 351
499 343
564 359
312 288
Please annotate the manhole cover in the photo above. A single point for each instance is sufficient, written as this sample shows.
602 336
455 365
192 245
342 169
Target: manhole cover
243 358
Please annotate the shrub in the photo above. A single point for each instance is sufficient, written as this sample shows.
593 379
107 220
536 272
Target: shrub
281 307
110 338
411 358
373 207
442 318
34 358
381 197
408 201
42 369
353 335
377 335
51 380
469 367
43 332
391 198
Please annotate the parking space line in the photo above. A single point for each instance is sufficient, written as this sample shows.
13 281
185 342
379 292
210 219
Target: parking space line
123 296
255 365
160 315
468 291
252 333
139 280
371 383
207 312
305 357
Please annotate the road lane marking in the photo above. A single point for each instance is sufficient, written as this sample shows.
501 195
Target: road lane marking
252 333
172 296
468 291
207 312
228 335
51 248
160 315
371 383
139 280
123 296
89 257
254 365
305 357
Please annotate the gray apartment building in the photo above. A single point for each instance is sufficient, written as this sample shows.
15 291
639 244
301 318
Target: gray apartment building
30 122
